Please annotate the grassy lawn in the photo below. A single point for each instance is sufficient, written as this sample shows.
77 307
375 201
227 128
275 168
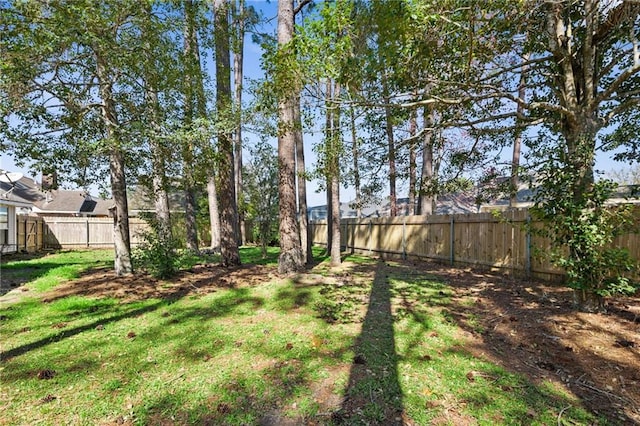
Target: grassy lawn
370 343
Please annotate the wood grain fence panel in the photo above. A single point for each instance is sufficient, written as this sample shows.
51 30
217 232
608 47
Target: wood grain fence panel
501 241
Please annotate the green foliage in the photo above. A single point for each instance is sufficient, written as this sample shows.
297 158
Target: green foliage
582 228
158 252
261 193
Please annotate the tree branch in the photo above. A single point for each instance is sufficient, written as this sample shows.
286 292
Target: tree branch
302 4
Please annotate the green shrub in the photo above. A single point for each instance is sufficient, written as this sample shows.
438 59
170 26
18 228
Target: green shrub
158 253
582 227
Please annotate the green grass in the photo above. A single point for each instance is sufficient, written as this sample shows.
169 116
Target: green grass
42 273
379 334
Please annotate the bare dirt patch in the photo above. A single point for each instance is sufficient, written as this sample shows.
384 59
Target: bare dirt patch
199 280
532 328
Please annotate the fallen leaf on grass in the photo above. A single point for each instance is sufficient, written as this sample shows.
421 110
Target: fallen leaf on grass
59 325
223 408
48 398
46 374
131 335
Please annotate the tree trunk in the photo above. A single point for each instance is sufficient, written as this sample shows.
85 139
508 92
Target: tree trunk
515 161
413 127
214 213
328 138
158 152
290 259
335 151
393 197
305 238
335 221
355 153
121 240
160 196
192 71
238 74
329 215
120 210
229 213
426 202
190 217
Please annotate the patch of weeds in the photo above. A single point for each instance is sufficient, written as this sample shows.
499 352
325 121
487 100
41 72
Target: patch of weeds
373 412
448 316
332 311
474 323
112 385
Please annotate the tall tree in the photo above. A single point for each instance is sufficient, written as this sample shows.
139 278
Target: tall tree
303 216
591 49
193 75
290 259
240 18
67 70
157 144
226 175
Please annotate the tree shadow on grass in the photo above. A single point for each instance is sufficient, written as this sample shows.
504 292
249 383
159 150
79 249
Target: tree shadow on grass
102 283
373 394
15 275
23 349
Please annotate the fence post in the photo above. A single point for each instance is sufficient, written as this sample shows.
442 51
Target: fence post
452 241
87 225
369 238
26 234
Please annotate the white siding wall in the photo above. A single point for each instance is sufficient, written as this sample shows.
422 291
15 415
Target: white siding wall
10 245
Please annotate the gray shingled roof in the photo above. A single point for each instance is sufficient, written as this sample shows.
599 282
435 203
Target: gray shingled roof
60 201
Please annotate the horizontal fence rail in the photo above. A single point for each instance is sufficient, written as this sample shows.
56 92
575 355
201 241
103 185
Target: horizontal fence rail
481 239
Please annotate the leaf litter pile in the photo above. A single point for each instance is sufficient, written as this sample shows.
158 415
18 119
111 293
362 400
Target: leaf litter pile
527 328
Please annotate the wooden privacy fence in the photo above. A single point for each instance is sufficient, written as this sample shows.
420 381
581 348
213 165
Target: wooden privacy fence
476 239
37 233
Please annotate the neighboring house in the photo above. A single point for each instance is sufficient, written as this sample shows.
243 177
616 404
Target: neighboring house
25 196
140 200
524 198
48 200
10 204
446 204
